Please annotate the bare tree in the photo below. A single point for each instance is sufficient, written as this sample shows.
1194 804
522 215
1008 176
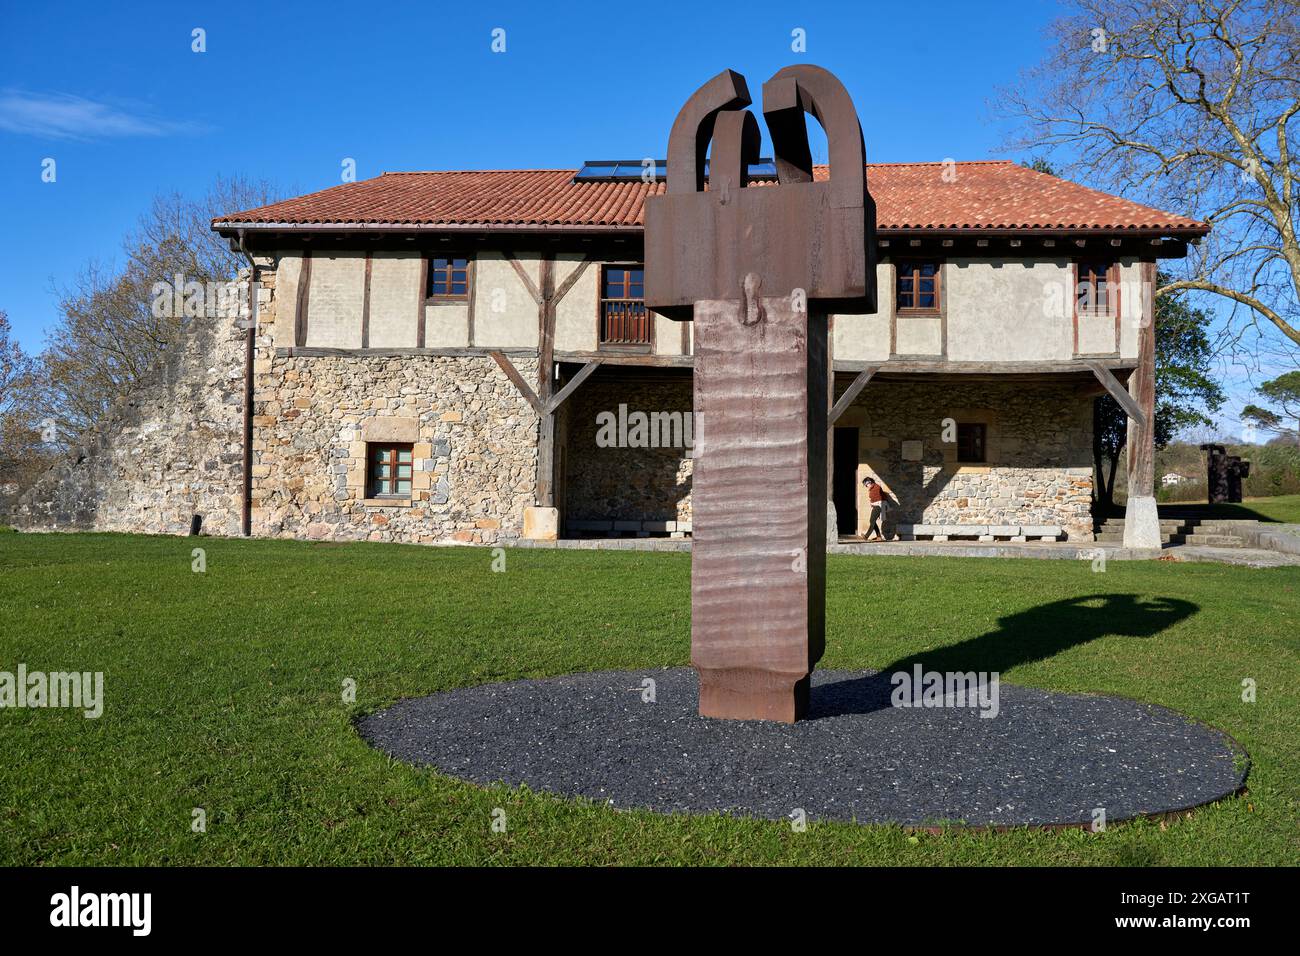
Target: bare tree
109 332
1188 105
22 454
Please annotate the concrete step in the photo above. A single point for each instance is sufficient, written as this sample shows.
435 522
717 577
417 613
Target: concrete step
1213 540
1117 537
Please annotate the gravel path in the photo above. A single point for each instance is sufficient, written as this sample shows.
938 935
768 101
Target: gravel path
1045 758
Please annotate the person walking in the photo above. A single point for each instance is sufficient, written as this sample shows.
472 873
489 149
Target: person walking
876 501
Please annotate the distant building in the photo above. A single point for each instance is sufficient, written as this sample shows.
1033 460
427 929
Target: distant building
1173 478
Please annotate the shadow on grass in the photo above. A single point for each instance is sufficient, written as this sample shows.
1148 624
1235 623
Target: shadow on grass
1033 635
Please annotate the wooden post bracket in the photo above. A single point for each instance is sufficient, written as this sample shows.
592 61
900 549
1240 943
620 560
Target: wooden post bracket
1119 393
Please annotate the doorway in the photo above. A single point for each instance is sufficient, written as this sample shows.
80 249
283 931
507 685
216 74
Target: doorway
844 480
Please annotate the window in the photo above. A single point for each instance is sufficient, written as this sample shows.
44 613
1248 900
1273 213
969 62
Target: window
390 471
448 278
1097 288
624 319
971 437
918 288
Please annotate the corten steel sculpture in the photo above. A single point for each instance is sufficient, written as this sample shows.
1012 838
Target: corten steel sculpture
759 269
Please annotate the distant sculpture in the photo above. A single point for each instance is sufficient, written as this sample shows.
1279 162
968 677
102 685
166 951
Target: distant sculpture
759 269
1224 474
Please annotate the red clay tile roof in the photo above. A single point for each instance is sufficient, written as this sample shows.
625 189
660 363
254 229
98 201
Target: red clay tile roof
993 195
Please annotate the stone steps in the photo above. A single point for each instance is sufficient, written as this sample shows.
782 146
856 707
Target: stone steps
1207 532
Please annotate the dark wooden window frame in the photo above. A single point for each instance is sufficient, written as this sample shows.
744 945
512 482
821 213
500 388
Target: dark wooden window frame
1112 298
983 431
908 268
602 300
447 273
392 450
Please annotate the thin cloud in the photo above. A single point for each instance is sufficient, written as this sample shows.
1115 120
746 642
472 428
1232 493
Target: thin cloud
66 116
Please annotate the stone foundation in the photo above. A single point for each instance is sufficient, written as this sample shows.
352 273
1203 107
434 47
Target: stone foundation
1039 460
474 442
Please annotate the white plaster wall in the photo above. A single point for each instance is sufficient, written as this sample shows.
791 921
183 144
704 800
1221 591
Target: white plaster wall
861 338
335 300
505 315
1008 311
394 292
446 324
1132 307
920 335
287 273
576 316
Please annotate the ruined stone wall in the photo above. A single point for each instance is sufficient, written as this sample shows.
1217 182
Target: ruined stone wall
1039 456
170 450
631 484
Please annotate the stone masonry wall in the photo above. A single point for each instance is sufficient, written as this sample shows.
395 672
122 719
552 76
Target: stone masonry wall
1039 467
170 450
631 484
474 438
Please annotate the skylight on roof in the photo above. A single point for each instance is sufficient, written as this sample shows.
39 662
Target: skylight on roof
652 170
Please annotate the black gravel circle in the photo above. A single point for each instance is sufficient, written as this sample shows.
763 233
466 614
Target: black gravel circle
1046 758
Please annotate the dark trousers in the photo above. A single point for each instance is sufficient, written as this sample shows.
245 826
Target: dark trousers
875 521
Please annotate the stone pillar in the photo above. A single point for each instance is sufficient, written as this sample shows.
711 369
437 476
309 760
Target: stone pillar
1141 518
759 500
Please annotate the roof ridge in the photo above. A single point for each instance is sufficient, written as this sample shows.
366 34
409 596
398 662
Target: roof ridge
448 172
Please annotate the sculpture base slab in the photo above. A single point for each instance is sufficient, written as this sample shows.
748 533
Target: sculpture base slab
749 694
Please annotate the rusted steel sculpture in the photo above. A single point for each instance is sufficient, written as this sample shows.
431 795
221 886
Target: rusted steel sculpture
759 269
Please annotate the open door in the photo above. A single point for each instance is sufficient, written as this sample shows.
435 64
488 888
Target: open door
844 480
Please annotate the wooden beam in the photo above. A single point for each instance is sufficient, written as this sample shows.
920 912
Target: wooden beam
571 386
316 351
571 279
850 393
420 303
304 293
546 330
1119 393
525 279
544 494
365 308
473 294
512 373
614 357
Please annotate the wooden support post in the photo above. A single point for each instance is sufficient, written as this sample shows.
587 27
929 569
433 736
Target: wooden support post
1141 518
304 296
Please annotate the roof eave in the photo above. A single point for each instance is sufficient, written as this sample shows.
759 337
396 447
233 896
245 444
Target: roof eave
231 227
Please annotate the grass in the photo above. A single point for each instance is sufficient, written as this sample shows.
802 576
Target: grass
223 692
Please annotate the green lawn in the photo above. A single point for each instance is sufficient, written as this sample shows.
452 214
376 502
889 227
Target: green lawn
1284 508
224 692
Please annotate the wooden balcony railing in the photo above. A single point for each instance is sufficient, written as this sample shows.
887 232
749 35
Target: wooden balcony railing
625 323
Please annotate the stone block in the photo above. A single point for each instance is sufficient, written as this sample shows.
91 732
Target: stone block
541 524
391 428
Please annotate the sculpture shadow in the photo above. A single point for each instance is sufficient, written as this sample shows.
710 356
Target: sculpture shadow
1032 635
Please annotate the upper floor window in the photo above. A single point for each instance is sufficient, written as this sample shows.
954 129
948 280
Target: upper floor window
390 471
972 438
448 278
624 319
1096 291
918 289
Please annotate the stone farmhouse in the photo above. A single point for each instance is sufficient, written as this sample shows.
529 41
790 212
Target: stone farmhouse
465 357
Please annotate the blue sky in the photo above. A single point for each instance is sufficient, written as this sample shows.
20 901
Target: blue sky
286 91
